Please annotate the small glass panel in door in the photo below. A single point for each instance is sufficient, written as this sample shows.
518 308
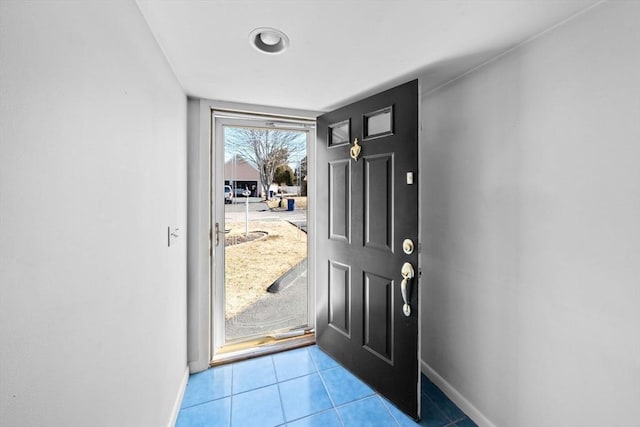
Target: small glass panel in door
378 123
339 133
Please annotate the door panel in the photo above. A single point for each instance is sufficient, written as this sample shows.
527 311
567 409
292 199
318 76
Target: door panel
378 315
340 297
366 209
378 202
340 203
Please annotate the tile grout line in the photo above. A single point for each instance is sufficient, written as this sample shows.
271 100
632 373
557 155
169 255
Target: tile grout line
434 404
360 399
308 374
205 401
284 415
333 404
375 394
310 415
386 404
231 396
452 421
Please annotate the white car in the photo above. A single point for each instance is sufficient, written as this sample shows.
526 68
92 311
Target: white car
228 194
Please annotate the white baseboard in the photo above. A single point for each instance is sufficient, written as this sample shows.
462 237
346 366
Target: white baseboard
455 396
178 402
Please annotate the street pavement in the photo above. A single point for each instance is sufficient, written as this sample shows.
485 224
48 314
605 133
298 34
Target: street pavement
259 211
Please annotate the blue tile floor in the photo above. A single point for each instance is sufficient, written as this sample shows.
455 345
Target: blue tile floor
301 388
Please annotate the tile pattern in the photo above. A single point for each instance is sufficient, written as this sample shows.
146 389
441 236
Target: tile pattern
301 388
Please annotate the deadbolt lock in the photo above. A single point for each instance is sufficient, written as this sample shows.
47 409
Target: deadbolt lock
408 246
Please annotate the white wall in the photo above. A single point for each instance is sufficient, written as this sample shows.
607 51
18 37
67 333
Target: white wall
92 171
531 229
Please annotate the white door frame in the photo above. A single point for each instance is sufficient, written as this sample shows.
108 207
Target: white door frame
199 225
220 119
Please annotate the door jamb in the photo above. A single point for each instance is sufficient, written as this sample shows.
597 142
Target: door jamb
419 281
199 225
219 119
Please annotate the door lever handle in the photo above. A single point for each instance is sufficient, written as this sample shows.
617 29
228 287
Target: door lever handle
407 274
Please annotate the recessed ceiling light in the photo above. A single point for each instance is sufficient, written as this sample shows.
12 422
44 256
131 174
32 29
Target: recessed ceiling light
269 40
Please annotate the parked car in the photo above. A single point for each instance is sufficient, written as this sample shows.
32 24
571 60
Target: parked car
228 194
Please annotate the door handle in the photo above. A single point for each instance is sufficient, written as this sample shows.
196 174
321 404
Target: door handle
217 233
407 273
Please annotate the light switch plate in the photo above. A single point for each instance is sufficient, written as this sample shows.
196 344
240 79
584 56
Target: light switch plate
409 178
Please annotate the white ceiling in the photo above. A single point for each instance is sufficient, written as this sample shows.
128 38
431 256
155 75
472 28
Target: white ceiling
340 50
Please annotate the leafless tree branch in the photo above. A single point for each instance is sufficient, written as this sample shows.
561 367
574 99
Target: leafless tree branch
265 149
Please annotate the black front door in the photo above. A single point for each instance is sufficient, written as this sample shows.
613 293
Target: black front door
367 193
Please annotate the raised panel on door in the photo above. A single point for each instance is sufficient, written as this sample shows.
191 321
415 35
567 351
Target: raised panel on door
339 200
340 297
378 316
378 202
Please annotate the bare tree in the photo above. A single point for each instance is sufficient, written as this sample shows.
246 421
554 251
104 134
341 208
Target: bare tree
265 149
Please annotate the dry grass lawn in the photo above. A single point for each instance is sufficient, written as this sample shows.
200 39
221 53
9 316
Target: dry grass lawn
251 267
301 202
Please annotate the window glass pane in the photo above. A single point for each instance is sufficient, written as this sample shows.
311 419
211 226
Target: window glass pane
379 123
264 232
339 133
